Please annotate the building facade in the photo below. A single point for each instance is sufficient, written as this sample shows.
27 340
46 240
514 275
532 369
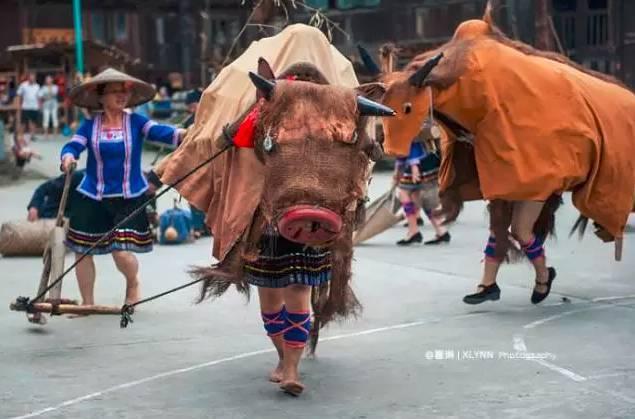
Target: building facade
188 40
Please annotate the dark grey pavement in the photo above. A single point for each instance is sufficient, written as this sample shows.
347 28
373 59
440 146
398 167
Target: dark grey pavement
416 352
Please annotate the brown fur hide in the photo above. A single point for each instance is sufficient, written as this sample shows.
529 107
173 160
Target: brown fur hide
320 157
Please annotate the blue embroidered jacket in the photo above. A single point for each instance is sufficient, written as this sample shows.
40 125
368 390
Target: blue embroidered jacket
428 163
113 167
416 154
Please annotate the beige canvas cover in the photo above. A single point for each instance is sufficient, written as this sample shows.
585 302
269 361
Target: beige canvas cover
230 188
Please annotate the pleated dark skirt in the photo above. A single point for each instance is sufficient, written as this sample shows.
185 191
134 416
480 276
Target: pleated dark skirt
284 263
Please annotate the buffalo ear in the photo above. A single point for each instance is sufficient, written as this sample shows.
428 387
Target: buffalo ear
418 78
373 91
266 72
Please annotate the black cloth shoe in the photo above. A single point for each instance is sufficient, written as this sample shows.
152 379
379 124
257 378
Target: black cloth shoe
416 238
445 238
487 292
537 297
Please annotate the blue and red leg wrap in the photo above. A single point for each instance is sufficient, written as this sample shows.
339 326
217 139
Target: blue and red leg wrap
534 249
410 208
275 323
490 249
297 329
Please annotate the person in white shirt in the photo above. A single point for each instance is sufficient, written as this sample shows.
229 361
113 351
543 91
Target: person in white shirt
29 103
48 96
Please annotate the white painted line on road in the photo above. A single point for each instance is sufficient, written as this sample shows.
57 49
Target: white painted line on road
222 361
542 321
520 346
141 381
617 297
113 389
570 374
610 375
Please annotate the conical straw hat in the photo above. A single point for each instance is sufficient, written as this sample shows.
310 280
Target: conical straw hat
85 95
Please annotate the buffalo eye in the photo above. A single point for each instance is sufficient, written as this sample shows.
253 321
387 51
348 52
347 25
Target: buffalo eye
407 108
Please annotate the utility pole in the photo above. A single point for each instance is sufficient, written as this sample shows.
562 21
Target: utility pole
544 40
79 42
205 34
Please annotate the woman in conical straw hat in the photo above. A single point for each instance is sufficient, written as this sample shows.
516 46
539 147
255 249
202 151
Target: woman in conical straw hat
114 184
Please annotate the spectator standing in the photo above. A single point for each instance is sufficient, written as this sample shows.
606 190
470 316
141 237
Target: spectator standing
29 105
48 95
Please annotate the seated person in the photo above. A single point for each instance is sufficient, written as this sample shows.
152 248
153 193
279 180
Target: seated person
46 198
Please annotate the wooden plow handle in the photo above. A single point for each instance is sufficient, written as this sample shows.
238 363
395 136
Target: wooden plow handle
59 221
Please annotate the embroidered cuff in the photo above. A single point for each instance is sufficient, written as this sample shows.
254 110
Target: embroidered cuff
79 139
175 138
147 126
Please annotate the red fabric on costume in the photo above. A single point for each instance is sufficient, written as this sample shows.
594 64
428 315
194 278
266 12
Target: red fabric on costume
244 137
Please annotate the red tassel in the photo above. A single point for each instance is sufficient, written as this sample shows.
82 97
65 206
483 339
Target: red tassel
244 137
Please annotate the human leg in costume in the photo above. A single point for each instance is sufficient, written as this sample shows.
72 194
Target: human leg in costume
274 317
296 333
430 202
284 273
487 289
411 209
524 217
442 235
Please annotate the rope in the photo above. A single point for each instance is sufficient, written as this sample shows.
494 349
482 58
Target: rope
128 309
28 302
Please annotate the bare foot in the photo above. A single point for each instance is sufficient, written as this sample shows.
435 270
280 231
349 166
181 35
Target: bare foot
292 387
291 382
132 293
276 375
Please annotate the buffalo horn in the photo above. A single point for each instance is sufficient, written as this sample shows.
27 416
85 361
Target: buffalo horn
420 75
368 61
368 107
262 84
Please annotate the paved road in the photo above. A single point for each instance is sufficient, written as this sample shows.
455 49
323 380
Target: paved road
416 352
